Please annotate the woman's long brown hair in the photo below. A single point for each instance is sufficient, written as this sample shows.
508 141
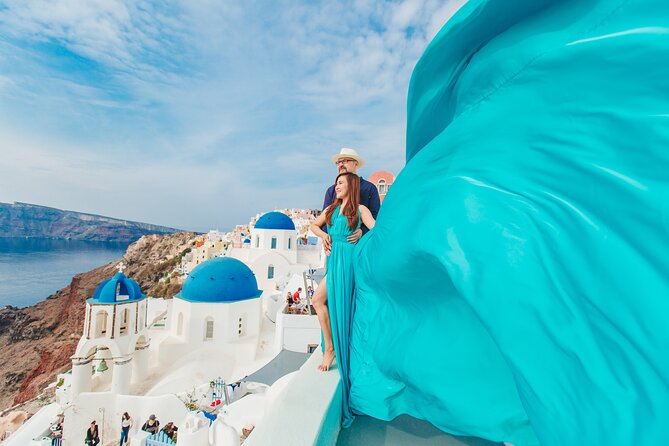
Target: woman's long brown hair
353 198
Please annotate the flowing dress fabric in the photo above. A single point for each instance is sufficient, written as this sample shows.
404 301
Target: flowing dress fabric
515 286
341 303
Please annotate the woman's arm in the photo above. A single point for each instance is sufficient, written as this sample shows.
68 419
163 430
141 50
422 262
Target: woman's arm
316 229
366 217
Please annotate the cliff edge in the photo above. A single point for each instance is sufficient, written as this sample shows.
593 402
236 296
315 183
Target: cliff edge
33 221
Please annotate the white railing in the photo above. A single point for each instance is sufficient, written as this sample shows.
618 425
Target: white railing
159 439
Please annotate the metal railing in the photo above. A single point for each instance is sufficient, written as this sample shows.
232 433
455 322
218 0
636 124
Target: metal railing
159 439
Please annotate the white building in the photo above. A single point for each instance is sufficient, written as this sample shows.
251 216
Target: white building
141 360
274 251
115 338
207 246
218 308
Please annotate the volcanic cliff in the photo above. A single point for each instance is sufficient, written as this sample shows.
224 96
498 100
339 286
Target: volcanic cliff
36 342
33 221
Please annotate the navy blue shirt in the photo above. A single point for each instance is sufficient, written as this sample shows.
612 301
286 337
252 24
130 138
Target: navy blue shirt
369 197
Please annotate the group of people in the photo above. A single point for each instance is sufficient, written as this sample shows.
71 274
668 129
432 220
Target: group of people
350 208
296 303
152 426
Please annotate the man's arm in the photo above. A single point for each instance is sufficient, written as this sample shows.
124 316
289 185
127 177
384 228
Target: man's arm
369 197
329 197
374 201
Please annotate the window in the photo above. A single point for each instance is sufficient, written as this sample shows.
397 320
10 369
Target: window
180 324
241 329
289 242
257 241
125 320
101 324
382 186
273 242
209 330
270 272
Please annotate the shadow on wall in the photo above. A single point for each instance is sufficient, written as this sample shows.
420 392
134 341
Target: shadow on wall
403 430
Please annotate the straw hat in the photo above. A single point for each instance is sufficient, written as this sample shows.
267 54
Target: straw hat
345 152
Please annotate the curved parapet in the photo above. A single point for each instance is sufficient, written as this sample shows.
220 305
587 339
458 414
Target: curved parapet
198 430
194 431
515 285
222 434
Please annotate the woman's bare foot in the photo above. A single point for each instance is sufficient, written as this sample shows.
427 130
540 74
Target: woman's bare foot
328 357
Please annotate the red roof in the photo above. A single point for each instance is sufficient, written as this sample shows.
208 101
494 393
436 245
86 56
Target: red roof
381 175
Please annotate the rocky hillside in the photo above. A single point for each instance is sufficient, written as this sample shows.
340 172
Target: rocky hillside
30 220
36 342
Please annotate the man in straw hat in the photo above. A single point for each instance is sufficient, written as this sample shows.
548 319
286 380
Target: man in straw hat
347 160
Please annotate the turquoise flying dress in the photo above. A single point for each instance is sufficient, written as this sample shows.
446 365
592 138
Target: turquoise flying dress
341 304
516 284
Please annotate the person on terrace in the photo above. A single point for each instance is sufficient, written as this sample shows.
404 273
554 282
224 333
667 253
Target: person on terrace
335 312
151 425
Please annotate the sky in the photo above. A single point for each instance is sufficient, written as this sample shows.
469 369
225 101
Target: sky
200 114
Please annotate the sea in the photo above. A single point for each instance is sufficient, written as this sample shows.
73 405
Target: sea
33 269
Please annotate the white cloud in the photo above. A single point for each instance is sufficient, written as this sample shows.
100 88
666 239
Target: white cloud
405 13
219 109
97 29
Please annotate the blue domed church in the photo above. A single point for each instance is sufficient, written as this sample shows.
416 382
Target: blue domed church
115 338
219 305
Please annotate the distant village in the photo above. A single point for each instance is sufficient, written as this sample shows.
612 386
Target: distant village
217 244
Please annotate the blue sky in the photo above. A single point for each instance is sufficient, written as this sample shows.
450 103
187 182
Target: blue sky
200 114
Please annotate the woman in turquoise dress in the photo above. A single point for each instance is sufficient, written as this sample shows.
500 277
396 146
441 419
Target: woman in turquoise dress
335 314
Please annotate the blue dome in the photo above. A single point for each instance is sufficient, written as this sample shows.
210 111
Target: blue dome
223 279
109 291
275 220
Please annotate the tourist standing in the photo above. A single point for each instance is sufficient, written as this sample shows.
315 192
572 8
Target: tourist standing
126 424
343 217
92 435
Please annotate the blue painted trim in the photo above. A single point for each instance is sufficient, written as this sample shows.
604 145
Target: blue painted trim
179 296
94 301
